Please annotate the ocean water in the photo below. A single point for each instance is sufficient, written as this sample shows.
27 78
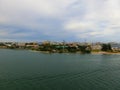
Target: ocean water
27 70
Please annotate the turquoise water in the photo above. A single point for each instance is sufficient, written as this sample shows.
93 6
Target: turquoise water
27 70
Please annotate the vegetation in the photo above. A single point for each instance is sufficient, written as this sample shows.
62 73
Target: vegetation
65 48
60 47
106 47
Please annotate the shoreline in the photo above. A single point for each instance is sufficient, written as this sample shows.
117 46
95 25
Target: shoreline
92 52
106 53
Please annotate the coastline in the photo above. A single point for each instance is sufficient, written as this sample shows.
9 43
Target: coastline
92 52
106 53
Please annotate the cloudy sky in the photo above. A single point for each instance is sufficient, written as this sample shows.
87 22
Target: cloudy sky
58 20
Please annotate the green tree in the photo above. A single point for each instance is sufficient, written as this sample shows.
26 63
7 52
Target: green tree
85 49
106 47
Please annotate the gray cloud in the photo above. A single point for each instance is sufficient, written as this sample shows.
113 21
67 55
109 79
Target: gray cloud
60 19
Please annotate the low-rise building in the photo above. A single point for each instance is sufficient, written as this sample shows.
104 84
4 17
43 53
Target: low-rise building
21 44
95 47
115 46
33 45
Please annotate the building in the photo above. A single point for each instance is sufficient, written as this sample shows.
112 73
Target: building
115 46
96 47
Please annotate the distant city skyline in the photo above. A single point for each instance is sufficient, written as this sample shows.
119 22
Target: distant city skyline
58 20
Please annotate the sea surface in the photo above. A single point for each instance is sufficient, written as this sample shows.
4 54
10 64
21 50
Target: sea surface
28 70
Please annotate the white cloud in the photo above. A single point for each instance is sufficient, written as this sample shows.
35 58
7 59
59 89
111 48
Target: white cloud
102 10
78 26
100 18
38 7
79 18
26 13
94 30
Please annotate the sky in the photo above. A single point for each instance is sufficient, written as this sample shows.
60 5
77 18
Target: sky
58 20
